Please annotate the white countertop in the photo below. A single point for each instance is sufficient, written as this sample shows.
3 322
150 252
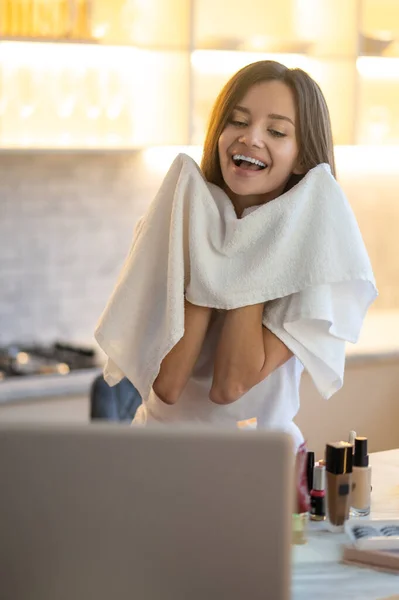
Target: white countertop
317 572
379 335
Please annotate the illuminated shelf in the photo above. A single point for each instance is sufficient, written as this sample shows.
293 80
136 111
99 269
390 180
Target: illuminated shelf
143 23
63 95
378 100
379 28
152 69
46 40
315 27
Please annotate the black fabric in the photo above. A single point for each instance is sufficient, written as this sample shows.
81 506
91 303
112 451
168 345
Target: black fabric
117 403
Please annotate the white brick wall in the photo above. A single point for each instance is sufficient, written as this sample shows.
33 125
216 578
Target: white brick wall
66 223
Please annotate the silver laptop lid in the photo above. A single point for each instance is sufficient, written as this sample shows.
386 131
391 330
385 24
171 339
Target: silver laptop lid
108 511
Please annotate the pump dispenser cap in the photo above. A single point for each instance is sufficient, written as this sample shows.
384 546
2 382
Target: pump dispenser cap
361 457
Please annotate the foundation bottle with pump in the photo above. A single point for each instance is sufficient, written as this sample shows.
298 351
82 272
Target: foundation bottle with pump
339 484
361 479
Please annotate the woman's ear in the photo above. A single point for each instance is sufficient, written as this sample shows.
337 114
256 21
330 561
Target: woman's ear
299 168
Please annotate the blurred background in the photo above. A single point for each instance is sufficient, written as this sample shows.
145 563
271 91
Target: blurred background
96 99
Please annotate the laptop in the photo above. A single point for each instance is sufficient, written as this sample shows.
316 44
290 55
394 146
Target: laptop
101 512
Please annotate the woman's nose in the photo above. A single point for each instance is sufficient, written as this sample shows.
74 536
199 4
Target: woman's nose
252 136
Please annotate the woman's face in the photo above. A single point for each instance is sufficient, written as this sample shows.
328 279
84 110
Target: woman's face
261 128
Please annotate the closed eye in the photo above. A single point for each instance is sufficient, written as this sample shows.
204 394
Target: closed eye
237 123
276 133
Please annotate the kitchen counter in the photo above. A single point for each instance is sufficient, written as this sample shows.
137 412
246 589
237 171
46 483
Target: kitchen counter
317 571
379 339
378 343
76 383
29 388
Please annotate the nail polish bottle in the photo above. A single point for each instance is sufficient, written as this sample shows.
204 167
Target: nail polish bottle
339 483
310 470
361 479
318 494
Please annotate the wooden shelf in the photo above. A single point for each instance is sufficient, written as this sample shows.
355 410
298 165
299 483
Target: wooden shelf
144 23
47 40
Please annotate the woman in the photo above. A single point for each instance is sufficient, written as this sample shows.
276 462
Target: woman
270 128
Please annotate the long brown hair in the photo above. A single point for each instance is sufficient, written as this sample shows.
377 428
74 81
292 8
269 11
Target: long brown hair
313 132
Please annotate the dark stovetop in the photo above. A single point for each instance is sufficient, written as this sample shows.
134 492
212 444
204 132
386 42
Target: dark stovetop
18 360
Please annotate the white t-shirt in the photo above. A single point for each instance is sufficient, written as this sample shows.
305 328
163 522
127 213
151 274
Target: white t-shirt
314 324
274 402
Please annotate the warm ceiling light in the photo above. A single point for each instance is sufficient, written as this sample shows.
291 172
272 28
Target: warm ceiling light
376 67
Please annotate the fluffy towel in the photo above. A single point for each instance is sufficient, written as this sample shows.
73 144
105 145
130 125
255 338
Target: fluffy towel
302 253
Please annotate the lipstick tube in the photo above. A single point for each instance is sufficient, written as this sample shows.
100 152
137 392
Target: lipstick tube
339 458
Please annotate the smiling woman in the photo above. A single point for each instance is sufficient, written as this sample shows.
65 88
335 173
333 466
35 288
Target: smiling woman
236 296
295 102
261 132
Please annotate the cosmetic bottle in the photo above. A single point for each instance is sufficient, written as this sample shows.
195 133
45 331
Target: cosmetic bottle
361 479
318 494
339 483
310 470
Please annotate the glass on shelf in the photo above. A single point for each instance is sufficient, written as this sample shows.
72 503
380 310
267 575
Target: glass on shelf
9 113
378 104
20 101
264 26
317 27
118 110
329 26
379 28
160 95
90 107
82 25
143 23
60 105
46 19
99 96
332 75
85 96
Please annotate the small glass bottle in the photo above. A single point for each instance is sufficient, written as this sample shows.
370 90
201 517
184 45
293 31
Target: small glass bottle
361 480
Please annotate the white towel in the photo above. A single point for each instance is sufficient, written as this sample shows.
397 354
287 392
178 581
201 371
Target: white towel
302 253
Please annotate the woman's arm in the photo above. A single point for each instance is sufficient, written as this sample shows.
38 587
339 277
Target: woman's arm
177 366
246 354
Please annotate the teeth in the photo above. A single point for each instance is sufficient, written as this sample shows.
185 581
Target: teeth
255 161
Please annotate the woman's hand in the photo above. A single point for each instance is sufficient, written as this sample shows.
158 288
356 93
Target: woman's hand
246 354
177 366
